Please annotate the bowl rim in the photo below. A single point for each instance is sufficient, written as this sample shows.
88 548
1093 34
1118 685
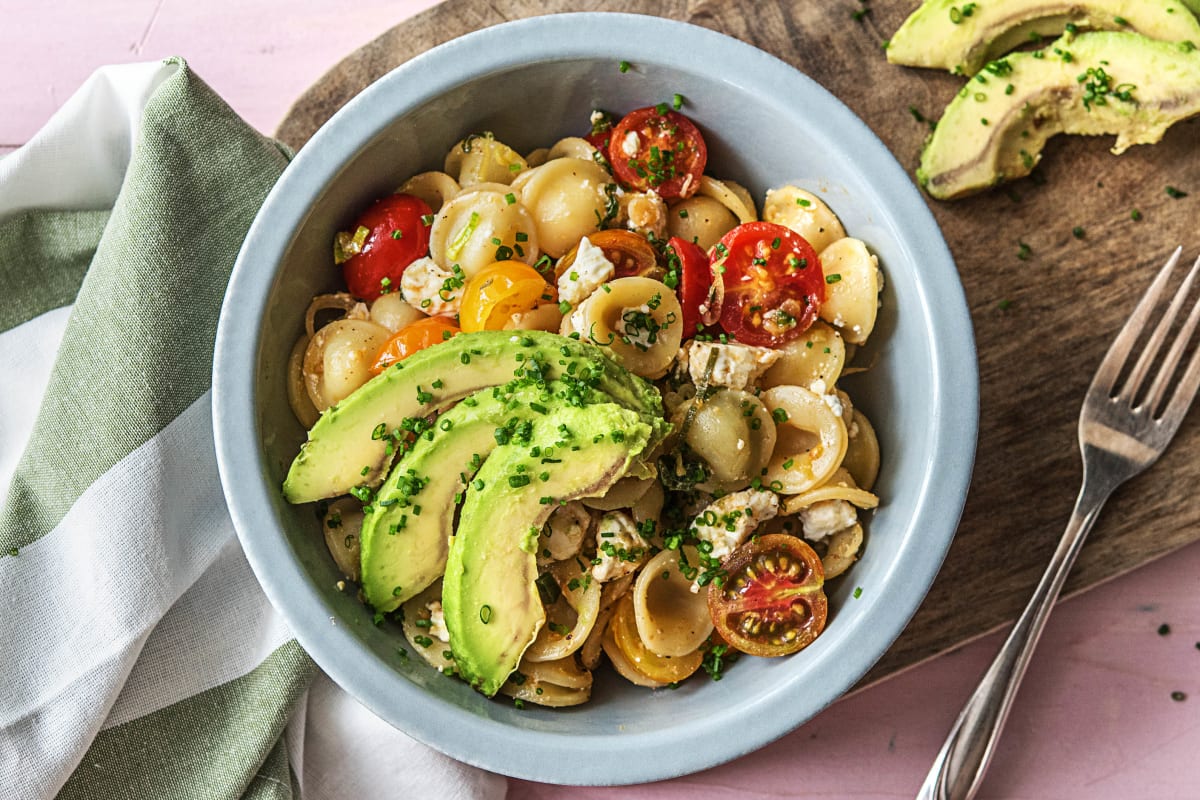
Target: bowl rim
492 744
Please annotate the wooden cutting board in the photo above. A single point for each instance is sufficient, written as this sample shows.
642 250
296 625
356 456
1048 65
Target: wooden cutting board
1042 324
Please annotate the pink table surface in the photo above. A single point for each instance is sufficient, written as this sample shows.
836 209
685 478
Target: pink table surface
1095 718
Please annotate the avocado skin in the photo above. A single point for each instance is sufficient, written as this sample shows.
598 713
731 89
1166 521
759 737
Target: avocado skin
930 37
341 454
419 495
489 597
965 155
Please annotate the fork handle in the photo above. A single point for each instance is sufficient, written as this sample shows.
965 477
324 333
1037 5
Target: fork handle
958 770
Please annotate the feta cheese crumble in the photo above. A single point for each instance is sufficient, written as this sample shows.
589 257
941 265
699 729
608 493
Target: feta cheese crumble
736 367
727 521
620 549
590 269
424 286
827 517
630 144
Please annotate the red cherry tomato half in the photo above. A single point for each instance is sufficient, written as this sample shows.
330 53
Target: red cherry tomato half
772 601
659 149
774 285
396 236
695 282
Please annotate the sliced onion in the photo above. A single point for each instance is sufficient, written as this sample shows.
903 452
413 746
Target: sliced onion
556 683
843 551
589 654
298 399
341 301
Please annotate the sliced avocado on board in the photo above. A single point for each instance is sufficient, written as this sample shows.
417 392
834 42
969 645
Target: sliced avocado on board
489 597
962 37
344 449
406 536
1091 84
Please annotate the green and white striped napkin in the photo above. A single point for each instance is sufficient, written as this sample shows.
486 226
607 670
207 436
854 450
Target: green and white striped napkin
139 659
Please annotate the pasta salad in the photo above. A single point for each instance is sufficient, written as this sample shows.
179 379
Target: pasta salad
582 404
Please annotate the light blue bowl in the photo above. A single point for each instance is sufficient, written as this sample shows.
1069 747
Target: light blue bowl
766 124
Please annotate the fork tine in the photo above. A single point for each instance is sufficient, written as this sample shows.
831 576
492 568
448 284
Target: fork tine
1177 407
1110 367
1167 370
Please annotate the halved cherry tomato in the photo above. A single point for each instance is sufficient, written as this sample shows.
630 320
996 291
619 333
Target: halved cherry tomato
413 337
774 285
695 282
665 669
771 602
397 235
498 291
631 255
656 148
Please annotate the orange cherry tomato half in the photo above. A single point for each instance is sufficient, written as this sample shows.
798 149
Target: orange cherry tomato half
695 282
413 337
397 235
663 669
631 255
772 601
500 290
774 285
656 148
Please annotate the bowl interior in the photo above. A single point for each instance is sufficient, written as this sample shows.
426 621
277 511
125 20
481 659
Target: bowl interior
766 125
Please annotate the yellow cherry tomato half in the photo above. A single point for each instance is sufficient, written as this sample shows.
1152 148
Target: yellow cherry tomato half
500 290
413 337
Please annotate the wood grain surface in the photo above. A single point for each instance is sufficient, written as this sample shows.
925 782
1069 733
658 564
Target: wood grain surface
1042 324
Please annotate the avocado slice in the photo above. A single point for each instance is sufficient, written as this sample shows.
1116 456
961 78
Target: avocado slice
406 536
1091 84
962 37
345 449
491 603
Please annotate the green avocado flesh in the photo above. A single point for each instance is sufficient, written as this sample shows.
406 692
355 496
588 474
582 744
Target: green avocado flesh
341 453
406 536
489 598
1091 84
942 34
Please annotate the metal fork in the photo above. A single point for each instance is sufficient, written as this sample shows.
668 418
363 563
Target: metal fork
1123 428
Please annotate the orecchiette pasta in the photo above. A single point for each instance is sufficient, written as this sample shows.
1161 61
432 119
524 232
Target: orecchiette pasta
565 196
811 439
732 433
862 452
482 159
741 330
338 359
806 214
700 219
435 188
639 319
852 294
672 619
471 229
731 195
818 355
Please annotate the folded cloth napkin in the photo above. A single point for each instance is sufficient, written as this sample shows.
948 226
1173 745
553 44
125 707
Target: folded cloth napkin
139 659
